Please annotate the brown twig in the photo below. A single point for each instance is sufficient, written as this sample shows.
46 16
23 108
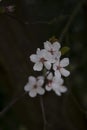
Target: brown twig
49 22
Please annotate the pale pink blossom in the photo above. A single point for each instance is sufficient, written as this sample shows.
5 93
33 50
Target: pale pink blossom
59 67
34 86
42 58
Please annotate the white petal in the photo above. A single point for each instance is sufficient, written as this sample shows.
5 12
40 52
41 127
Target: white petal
40 82
38 66
48 88
64 72
55 65
42 53
32 80
57 74
27 87
40 77
58 81
57 92
47 65
59 89
52 59
47 55
56 45
63 89
34 58
56 57
59 54
64 62
50 76
38 51
54 85
40 90
33 93
47 45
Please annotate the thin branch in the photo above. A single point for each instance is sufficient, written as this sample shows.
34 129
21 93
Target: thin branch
73 15
49 22
11 104
43 112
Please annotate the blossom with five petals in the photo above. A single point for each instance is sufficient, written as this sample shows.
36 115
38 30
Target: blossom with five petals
59 69
42 57
53 48
55 84
34 86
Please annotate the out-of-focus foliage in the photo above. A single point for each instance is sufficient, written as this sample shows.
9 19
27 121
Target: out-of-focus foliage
21 32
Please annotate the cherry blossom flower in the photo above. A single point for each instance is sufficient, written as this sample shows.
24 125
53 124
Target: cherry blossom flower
51 81
34 86
53 48
55 84
42 57
59 69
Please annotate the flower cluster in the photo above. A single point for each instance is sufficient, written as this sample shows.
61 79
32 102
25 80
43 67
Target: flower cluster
48 59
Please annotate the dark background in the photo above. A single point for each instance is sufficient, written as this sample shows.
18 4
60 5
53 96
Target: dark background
21 32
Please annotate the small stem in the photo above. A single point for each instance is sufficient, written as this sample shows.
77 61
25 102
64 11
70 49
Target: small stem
43 112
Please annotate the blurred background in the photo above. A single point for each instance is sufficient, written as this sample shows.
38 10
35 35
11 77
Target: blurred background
24 26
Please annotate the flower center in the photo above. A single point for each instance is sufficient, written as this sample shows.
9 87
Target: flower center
51 51
35 86
58 67
49 83
42 60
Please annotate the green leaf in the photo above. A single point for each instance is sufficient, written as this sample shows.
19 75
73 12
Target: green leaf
44 71
64 50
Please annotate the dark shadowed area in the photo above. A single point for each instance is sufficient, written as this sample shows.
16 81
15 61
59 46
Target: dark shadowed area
22 31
